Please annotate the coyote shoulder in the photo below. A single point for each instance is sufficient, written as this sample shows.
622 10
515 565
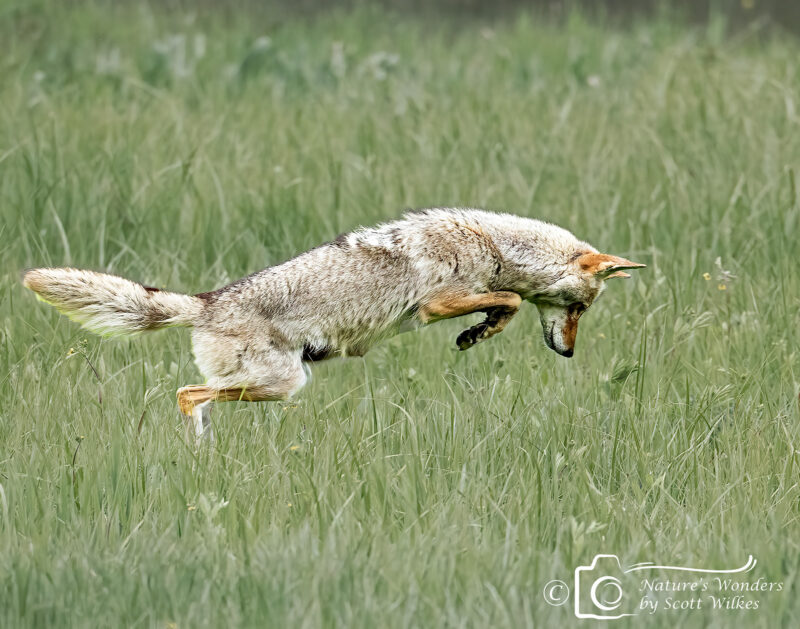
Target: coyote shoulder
252 337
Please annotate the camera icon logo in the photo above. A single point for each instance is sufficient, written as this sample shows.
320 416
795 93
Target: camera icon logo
604 590
599 590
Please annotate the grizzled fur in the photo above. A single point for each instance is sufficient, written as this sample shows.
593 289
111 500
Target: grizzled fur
342 297
107 304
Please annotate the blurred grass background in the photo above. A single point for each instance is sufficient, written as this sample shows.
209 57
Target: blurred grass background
419 486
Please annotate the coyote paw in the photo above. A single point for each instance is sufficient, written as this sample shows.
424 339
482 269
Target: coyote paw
472 336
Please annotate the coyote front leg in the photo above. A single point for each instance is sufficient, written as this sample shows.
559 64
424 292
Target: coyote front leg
499 306
496 320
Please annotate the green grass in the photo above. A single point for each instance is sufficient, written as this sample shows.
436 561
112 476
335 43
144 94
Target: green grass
418 486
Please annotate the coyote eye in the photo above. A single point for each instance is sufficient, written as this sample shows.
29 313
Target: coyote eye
577 308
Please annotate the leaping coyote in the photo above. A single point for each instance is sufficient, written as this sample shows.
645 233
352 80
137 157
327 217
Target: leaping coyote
252 337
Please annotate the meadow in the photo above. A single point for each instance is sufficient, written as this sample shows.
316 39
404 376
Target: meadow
418 486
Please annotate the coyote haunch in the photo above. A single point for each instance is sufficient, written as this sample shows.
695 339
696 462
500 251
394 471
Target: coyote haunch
251 337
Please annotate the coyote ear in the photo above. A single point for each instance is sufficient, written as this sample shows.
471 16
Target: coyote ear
606 266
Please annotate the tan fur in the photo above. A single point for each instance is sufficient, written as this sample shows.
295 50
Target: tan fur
252 338
107 304
191 396
449 305
603 263
570 331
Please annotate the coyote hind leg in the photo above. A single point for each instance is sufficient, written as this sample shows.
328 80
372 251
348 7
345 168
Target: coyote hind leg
251 367
195 402
194 395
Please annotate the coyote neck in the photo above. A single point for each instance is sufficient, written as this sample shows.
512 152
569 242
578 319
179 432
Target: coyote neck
533 255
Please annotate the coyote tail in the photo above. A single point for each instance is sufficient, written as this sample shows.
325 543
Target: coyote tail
110 305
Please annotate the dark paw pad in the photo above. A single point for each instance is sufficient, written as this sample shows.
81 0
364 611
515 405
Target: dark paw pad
471 336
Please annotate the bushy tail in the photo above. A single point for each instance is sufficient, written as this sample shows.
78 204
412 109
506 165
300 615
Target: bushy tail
107 304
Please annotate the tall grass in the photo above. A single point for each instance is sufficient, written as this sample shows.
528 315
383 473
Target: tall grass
418 486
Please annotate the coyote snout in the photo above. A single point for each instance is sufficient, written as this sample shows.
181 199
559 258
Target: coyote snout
563 302
560 327
252 338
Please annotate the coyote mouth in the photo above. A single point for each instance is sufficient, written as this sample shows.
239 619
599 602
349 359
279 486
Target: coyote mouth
550 341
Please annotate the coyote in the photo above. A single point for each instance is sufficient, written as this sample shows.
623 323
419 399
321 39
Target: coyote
253 337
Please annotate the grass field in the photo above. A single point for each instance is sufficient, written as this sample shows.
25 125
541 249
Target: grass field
418 486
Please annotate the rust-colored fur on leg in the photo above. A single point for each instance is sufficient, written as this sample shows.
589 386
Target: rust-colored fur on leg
499 307
496 320
456 305
196 394
194 402
191 396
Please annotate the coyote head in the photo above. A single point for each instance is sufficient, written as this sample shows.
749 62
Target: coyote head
562 303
